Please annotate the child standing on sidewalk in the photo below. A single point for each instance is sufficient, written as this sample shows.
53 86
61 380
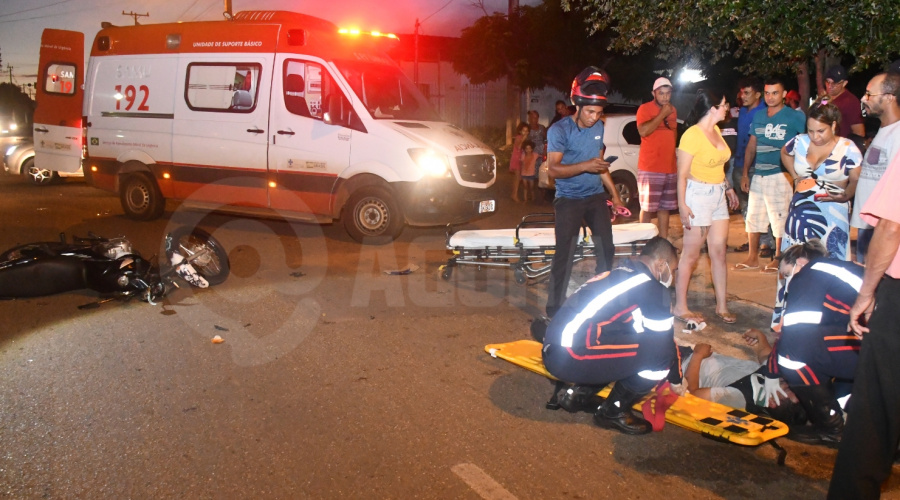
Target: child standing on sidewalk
528 170
515 161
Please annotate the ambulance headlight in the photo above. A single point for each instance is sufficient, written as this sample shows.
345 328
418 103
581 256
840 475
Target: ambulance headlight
433 164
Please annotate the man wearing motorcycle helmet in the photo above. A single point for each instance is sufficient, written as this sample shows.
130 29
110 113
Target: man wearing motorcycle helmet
583 183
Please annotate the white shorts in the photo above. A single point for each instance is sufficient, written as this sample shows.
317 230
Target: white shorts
706 201
769 203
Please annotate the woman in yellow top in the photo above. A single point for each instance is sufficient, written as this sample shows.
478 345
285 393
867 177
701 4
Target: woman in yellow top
704 196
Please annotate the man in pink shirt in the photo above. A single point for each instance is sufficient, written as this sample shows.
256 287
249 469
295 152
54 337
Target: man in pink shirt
872 433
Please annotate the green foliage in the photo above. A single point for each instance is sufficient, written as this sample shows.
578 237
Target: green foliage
543 45
769 36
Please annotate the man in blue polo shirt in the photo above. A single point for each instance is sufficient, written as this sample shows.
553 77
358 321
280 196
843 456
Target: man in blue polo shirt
583 183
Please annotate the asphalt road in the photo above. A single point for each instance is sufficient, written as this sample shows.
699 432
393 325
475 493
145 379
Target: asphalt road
335 380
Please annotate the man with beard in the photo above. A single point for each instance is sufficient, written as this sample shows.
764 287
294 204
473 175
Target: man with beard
880 101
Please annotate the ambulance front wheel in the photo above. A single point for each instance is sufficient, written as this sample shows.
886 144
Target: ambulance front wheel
140 197
371 215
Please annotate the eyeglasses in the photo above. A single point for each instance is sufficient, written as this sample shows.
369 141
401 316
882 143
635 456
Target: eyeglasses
870 95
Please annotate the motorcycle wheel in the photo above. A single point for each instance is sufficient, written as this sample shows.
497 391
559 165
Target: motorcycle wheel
214 266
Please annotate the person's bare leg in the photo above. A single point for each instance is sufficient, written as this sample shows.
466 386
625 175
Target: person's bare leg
690 253
662 222
716 242
646 216
516 182
752 259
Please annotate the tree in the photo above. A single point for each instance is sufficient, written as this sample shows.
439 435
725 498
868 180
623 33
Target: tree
770 37
543 45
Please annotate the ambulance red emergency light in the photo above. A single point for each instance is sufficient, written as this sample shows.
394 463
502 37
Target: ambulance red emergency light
271 113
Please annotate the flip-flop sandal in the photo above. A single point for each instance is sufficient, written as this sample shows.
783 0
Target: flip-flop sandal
740 266
769 270
727 318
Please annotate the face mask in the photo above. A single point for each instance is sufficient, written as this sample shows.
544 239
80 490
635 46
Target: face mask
668 282
787 279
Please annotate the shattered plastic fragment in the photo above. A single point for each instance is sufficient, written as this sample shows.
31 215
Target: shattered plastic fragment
217 340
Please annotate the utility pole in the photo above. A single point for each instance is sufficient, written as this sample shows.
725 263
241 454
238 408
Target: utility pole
10 68
136 15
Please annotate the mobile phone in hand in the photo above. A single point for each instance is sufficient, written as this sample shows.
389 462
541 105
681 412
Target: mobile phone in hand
610 159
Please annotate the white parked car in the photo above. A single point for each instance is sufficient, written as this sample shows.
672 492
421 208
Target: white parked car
19 160
622 139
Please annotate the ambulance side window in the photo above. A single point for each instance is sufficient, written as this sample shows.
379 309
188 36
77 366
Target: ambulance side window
60 79
307 85
223 87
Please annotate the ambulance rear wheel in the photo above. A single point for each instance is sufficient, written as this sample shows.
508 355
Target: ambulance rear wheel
371 215
140 197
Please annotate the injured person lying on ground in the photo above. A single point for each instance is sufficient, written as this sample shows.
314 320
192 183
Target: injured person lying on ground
739 383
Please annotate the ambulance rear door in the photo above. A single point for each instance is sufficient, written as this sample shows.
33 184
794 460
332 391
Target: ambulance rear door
60 92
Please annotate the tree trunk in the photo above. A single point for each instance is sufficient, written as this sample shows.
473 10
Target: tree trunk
514 113
820 72
803 84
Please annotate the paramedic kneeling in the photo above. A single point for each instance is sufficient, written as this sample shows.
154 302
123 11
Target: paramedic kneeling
616 328
815 353
583 183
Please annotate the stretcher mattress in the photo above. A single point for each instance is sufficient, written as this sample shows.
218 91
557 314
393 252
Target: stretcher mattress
699 415
623 234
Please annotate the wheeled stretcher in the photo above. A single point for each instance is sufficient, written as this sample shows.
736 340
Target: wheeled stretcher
528 249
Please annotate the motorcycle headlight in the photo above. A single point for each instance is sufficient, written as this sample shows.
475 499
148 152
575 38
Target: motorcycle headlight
433 164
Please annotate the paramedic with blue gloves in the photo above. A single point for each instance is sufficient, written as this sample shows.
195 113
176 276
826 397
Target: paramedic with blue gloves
583 183
616 328
815 347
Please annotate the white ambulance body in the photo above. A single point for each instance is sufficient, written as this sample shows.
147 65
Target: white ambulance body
273 113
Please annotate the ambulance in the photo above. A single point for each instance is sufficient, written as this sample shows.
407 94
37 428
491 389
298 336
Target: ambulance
270 113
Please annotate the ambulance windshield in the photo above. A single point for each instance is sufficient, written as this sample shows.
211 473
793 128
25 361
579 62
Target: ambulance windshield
386 92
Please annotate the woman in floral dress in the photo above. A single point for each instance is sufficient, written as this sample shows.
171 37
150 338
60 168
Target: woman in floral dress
825 169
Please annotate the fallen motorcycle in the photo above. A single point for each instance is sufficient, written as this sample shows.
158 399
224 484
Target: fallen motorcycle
111 267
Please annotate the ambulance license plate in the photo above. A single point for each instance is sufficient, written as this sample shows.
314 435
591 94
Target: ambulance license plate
486 206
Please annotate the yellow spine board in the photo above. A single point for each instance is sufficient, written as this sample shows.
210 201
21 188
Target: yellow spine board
690 412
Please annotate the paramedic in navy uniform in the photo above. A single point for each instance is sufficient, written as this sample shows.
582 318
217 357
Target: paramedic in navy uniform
814 346
575 161
616 328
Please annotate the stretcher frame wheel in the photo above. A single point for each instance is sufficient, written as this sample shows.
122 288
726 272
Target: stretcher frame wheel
519 275
445 272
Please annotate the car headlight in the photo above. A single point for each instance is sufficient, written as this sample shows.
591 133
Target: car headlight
10 149
13 126
433 164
